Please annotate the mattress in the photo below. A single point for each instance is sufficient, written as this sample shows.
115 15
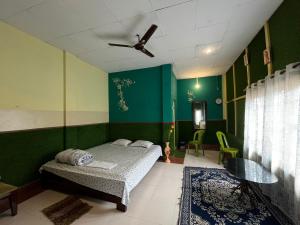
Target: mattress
133 163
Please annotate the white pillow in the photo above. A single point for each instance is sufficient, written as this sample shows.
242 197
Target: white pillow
142 143
121 142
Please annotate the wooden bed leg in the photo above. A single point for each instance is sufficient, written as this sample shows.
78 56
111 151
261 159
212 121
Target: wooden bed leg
121 207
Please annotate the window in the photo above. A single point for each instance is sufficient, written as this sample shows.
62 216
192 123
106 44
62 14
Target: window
199 114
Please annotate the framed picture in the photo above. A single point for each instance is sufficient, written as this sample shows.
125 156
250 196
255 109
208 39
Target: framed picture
267 56
246 61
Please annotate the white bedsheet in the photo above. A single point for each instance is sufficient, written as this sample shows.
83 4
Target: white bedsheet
102 164
133 163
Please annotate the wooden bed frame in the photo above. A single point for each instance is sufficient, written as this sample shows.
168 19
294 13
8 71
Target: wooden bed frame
55 182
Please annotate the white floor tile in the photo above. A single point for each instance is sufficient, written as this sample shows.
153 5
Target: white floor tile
155 201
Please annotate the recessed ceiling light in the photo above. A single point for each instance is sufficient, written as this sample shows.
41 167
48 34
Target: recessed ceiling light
209 50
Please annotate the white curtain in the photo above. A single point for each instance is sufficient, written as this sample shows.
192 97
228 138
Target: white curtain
272 135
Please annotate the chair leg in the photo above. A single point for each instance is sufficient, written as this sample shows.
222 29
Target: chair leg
196 150
202 150
13 204
220 156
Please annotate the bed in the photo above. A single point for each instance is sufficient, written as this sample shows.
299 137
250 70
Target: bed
113 185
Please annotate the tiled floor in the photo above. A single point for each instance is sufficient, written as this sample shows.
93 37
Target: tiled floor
155 201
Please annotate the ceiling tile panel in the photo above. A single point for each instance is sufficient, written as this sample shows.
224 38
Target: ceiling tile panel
210 12
93 12
183 53
47 20
178 19
11 7
129 8
200 37
80 42
140 24
181 40
211 34
161 4
114 32
28 23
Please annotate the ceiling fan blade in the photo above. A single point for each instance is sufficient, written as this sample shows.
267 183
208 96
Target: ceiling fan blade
146 52
120 45
148 34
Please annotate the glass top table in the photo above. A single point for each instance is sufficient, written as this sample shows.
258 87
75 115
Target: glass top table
249 170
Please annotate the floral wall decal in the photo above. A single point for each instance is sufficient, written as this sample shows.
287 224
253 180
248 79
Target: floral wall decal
190 96
120 84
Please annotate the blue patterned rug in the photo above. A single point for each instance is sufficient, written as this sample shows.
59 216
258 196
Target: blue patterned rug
207 200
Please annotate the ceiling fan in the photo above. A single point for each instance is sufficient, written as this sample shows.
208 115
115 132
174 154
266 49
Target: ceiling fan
141 42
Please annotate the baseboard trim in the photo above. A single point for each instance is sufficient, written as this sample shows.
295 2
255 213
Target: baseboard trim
23 193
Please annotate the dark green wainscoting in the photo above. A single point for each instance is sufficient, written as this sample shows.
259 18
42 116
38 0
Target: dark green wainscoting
87 136
23 152
186 131
134 131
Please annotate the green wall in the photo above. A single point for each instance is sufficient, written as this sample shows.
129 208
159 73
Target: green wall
240 75
166 83
149 100
230 118
284 28
229 84
186 130
257 68
285 34
144 97
210 90
134 131
27 150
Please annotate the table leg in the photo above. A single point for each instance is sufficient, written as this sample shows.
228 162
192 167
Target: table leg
13 204
244 187
235 188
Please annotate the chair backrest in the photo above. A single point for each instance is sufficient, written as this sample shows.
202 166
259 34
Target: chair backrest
222 139
198 136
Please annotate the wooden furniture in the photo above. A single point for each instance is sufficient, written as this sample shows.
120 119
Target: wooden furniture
58 183
8 192
197 141
224 147
133 163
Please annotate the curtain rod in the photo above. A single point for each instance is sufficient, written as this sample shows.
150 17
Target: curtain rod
271 76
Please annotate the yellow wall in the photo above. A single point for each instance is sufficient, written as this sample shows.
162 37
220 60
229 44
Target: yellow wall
31 72
87 92
32 85
87 88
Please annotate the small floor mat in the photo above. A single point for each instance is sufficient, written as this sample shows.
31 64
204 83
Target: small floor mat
66 211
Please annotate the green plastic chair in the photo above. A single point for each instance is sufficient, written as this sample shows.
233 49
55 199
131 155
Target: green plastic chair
224 147
197 141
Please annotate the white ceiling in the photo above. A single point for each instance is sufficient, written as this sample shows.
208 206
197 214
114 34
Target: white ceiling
186 30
